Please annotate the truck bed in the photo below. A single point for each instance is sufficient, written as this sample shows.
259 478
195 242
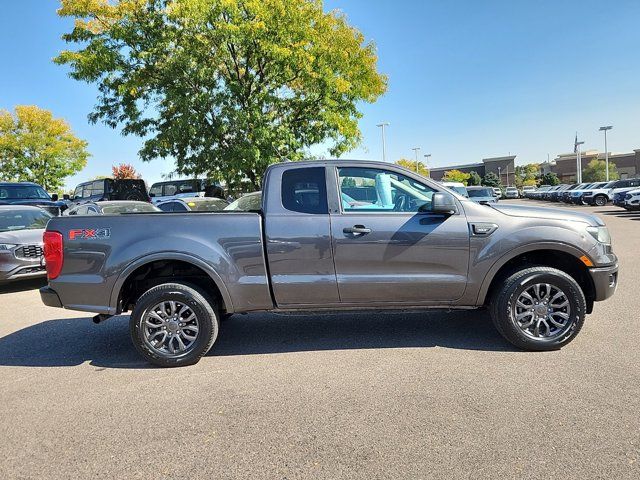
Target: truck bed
100 252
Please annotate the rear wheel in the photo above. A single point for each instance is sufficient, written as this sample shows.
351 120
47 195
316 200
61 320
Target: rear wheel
539 308
174 325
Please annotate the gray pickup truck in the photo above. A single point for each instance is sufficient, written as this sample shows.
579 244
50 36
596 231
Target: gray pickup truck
332 235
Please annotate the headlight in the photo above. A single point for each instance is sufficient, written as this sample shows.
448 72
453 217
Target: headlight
5 247
601 234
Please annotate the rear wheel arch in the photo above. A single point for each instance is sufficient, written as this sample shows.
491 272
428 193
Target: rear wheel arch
207 278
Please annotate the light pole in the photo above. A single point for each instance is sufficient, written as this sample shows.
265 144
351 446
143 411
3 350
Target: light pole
606 150
416 150
579 162
427 156
384 144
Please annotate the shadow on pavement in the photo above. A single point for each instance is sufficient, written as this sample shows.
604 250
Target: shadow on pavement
70 342
23 285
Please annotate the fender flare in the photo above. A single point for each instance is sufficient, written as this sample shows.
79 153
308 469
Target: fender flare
184 257
530 247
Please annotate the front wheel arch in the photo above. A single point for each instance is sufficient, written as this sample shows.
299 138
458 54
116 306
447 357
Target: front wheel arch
566 260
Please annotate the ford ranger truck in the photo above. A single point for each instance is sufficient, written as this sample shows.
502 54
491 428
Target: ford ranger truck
332 235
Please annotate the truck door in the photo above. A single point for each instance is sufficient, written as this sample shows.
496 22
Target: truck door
386 250
298 237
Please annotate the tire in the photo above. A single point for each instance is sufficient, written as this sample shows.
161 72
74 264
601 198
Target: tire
179 327
600 200
505 308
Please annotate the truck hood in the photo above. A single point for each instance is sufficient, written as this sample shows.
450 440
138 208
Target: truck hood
550 213
23 237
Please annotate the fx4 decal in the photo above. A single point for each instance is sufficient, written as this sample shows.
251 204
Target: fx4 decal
89 233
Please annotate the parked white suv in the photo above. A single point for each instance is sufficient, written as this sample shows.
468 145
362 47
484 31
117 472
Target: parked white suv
632 200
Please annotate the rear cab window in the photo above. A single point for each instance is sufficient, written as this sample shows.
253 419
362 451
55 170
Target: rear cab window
304 190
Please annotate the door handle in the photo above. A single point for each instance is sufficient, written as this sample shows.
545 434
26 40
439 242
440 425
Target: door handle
357 230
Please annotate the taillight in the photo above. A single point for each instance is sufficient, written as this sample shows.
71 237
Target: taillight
53 255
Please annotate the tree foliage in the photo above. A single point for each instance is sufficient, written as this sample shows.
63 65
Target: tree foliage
527 174
36 147
491 180
596 171
474 179
411 165
455 176
549 178
124 171
225 87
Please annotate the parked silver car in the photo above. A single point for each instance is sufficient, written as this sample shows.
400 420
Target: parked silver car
482 195
21 229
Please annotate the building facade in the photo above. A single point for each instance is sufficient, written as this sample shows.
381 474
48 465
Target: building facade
503 167
564 165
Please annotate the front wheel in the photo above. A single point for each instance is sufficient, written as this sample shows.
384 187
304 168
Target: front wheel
539 309
600 200
173 325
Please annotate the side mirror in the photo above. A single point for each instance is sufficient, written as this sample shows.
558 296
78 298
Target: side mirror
54 197
151 195
443 203
66 197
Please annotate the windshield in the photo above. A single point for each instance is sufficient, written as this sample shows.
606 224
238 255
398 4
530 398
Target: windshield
209 205
23 192
128 207
249 203
480 192
23 220
459 190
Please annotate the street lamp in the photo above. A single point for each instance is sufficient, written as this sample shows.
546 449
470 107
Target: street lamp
416 150
606 150
427 156
384 145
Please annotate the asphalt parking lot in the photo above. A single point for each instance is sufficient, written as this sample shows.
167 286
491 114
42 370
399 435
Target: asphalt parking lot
389 395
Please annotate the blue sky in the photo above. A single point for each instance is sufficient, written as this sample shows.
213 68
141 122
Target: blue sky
467 79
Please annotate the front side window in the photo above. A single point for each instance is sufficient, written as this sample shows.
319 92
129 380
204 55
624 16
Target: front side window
86 191
155 191
365 189
304 190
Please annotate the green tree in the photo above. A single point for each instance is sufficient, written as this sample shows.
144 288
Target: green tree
491 180
474 179
596 171
224 87
526 174
455 176
411 165
348 182
549 178
36 147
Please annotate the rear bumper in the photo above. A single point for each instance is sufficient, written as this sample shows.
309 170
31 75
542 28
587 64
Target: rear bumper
50 297
605 281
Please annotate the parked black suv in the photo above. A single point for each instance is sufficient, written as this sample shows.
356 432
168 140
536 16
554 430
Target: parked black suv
28 193
110 189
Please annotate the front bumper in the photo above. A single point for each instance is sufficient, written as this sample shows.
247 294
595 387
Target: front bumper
49 297
605 281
